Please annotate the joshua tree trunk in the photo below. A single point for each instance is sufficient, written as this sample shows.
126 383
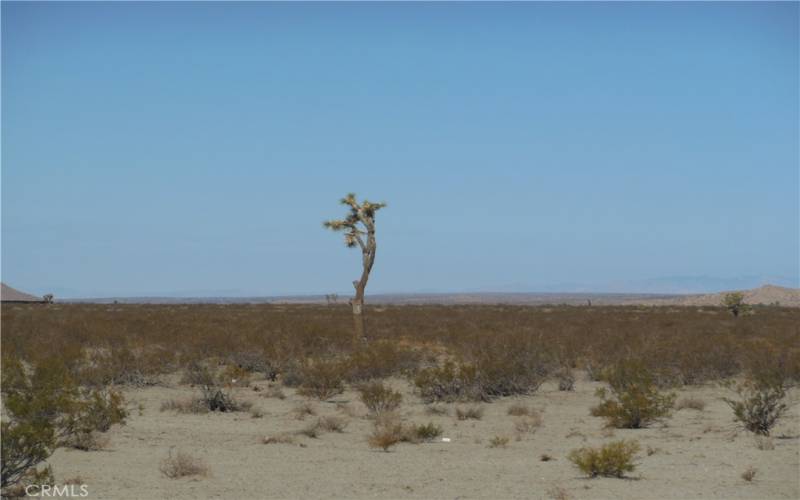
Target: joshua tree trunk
362 236
368 258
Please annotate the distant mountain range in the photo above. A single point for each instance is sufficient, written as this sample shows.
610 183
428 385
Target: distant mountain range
664 286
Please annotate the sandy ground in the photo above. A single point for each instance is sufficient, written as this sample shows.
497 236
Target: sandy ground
693 454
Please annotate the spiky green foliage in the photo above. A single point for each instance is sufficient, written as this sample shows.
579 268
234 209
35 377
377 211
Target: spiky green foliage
358 222
734 302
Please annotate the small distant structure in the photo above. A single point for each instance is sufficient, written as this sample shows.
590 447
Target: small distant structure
10 295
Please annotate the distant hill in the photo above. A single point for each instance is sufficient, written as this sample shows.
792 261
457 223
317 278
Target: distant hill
8 294
767 294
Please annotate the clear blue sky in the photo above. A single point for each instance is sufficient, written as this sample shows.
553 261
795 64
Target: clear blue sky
197 147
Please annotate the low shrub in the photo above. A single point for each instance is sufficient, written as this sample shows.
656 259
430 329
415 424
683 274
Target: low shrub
566 379
749 474
181 465
234 375
274 392
312 430
427 432
88 441
499 442
490 374
437 410
303 410
384 438
518 410
192 405
380 359
254 362
469 413
449 382
332 423
760 404
528 424
611 460
378 398
198 374
390 430
764 443
635 401
279 439
690 403
44 409
215 399
322 379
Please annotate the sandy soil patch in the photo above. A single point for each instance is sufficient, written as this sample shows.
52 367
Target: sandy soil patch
693 454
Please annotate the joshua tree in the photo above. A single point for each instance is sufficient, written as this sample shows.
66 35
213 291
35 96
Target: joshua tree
734 302
359 230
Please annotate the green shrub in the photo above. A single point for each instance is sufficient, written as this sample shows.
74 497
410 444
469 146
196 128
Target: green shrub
507 371
489 375
611 460
378 398
760 404
427 432
46 410
635 401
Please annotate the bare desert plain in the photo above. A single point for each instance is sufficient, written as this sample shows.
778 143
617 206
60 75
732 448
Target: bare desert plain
693 454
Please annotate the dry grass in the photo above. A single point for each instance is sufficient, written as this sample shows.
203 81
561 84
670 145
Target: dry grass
469 413
764 443
282 438
191 405
89 441
558 493
332 423
274 392
499 442
384 437
181 465
749 474
528 424
690 403
437 410
303 410
519 410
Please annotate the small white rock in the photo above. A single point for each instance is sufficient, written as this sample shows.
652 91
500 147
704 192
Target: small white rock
445 440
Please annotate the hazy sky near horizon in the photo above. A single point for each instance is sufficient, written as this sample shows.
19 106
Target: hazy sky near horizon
197 147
